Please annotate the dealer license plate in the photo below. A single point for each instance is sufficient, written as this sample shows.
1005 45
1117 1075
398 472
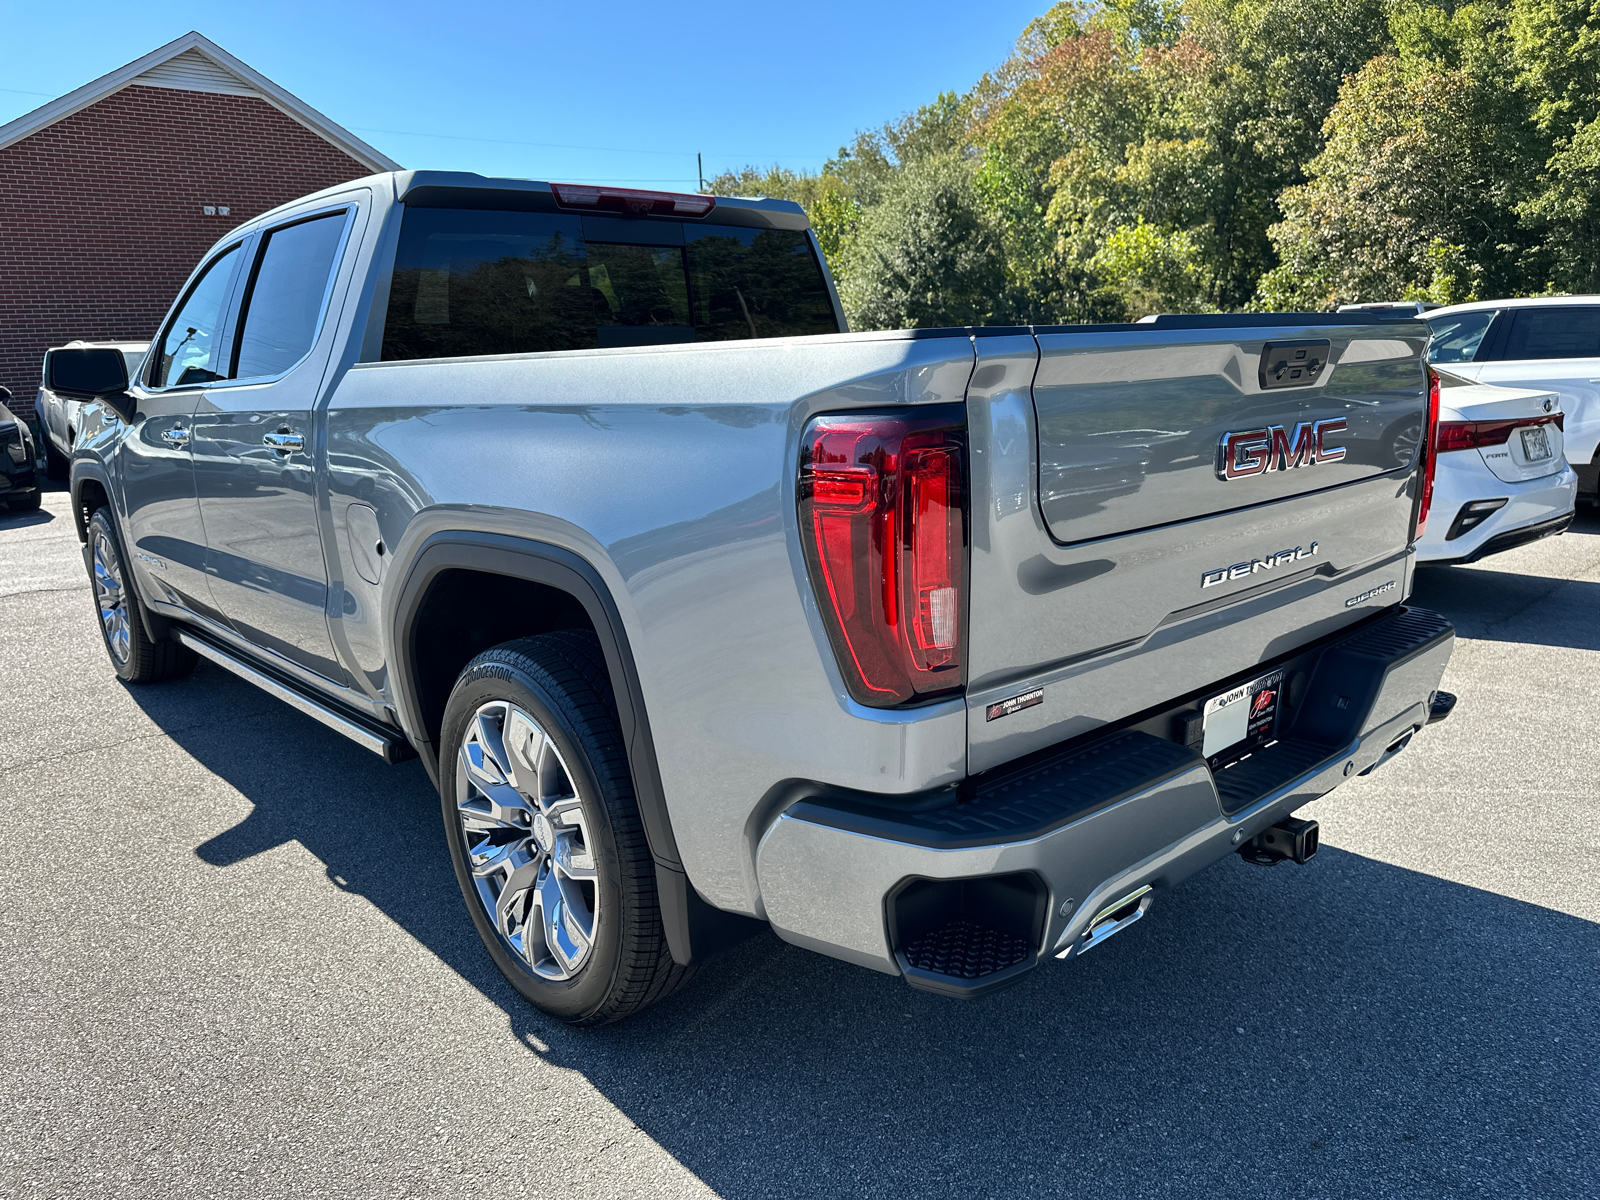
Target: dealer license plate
1536 443
1243 719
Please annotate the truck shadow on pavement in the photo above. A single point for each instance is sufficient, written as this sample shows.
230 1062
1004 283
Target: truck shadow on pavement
1349 1028
11 519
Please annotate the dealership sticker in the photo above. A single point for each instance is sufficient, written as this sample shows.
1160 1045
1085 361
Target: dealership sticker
1006 707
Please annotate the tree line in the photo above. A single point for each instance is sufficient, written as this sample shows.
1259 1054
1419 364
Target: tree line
1139 156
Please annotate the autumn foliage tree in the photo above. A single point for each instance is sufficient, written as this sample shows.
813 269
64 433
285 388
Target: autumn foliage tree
1135 156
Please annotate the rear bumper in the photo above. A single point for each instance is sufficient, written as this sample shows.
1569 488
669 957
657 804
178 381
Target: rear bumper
1534 509
1093 823
1508 539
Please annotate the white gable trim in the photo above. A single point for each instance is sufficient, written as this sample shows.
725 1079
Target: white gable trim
192 71
201 58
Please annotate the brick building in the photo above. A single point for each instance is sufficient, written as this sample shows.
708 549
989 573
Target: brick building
110 194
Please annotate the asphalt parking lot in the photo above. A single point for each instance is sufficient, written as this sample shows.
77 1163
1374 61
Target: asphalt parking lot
233 961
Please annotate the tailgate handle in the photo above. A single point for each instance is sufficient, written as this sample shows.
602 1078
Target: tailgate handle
1293 364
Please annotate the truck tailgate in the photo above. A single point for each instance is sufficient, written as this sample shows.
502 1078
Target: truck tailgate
1130 423
1116 570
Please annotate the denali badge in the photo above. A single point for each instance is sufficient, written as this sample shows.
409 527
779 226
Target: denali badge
1258 451
1244 569
1006 707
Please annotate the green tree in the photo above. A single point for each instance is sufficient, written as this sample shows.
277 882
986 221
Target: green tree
925 255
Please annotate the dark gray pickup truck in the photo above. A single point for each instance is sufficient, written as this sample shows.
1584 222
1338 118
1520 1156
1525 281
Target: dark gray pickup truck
938 651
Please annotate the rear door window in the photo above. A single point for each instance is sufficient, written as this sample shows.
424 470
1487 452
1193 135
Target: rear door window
283 302
474 281
1552 332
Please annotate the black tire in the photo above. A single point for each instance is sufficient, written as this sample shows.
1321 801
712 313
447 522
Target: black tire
561 682
56 463
142 659
27 502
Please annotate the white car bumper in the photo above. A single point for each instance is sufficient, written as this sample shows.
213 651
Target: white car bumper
1535 508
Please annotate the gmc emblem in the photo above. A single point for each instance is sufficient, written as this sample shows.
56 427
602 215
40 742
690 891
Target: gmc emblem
1257 451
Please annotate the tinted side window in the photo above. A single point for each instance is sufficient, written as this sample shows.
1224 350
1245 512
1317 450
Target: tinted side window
283 304
189 342
470 281
1457 338
1554 333
750 283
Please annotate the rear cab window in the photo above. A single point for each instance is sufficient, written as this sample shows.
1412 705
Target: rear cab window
486 281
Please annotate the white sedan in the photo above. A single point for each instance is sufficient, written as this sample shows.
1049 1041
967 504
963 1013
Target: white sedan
1501 477
1550 343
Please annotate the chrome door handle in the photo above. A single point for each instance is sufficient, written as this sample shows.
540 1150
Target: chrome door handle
176 436
284 442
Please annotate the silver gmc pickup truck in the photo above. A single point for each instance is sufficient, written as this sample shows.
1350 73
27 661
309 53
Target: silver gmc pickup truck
939 651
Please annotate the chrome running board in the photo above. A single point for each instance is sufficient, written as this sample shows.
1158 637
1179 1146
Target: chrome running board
388 744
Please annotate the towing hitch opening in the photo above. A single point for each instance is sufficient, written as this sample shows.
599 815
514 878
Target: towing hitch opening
1290 839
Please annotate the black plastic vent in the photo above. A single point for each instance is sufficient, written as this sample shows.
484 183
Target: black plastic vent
967 950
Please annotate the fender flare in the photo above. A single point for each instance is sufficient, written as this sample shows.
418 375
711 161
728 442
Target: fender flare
694 929
83 470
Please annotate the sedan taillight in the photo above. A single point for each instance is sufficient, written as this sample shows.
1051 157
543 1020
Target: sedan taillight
883 523
1475 435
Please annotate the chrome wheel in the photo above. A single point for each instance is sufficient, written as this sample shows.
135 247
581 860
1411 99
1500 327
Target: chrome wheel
528 844
111 597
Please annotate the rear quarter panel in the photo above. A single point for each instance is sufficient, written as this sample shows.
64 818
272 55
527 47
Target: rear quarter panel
672 471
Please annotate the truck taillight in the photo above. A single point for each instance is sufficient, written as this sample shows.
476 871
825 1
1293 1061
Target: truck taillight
1430 457
883 523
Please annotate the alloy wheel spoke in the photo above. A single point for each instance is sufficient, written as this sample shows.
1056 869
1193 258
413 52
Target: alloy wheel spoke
524 743
482 770
573 858
514 906
568 926
486 731
563 810
500 858
554 786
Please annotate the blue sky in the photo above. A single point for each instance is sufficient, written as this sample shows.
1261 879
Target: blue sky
617 91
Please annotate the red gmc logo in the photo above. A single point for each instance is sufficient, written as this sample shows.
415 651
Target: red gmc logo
1257 451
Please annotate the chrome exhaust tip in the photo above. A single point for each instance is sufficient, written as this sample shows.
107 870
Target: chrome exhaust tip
1112 920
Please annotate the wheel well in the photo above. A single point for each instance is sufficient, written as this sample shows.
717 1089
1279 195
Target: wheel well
465 612
91 495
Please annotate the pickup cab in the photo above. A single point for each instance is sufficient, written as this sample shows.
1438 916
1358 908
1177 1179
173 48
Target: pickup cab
938 651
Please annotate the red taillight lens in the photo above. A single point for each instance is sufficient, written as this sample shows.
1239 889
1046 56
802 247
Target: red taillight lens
632 200
883 522
1473 435
1430 456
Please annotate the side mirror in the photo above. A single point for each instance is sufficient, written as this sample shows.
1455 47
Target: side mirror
90 373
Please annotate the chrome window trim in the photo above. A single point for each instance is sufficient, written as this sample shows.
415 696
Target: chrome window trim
239 314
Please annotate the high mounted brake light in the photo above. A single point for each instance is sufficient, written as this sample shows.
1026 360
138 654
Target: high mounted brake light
883 523
1430 457
631 200
1473 435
